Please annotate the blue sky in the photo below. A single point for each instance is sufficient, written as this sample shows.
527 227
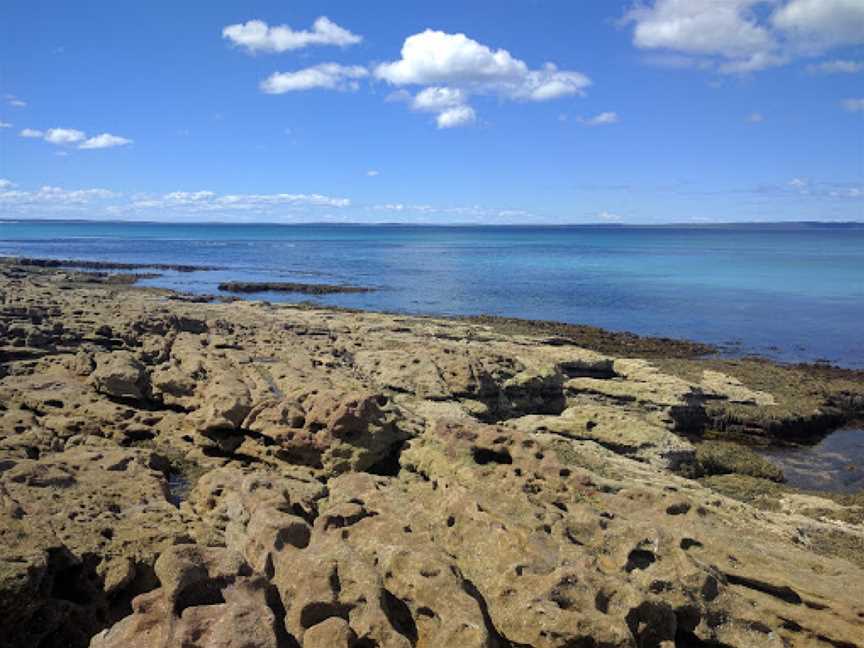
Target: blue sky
532 111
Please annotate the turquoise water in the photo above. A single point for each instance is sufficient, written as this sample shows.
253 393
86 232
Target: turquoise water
793 293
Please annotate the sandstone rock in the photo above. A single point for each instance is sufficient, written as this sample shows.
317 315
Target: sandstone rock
225 403
620 431
328 429
81 535
120 375
206 600
333 632
523 491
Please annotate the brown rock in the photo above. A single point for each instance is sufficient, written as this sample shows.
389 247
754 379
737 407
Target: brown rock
120 375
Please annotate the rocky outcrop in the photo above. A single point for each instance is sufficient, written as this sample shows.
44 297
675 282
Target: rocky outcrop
240 474
120 375
80 530
208 599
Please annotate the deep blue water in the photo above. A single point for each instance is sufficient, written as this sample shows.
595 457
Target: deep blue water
790 293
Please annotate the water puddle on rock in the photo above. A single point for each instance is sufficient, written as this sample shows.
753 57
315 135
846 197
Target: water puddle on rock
834 464
178 488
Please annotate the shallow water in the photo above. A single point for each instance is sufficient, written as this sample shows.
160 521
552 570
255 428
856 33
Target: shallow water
178 488
791 293
834 464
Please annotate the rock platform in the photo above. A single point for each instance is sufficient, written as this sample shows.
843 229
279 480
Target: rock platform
230 475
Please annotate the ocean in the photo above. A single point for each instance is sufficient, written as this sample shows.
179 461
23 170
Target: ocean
792 293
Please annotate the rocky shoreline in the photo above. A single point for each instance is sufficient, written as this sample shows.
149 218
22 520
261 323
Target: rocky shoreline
175 473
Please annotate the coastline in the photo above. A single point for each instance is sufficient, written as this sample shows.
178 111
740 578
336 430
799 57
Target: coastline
310 438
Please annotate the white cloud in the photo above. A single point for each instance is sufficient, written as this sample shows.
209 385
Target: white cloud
609 217
725 28
5 124
51 199
820 24
473 212
603 119
330 76
258 36
854 105
372 173
755 118
449 104
435 58
836 67
105 140
15 102
458 116
64 135
818 189
209 201
454 67
741 36
436 99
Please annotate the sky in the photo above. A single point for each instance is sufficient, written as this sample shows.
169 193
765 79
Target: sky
515 111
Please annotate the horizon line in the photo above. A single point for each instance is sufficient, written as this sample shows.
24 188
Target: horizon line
845 223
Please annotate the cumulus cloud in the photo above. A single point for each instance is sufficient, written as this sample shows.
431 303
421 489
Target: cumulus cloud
457 116
70 136
105 140
15 102
330 76
453 67
603 119
740 36
373 173
449 104
437 58
723 27
836 67
64 135
821 24
436 99
6 184
258 36
854 105
755 118
4 124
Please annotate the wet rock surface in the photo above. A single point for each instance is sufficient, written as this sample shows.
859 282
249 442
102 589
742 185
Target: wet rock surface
184 474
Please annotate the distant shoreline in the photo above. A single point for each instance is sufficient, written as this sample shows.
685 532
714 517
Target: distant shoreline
771 225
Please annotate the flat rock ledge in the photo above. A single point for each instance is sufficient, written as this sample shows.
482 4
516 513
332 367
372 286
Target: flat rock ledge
244 475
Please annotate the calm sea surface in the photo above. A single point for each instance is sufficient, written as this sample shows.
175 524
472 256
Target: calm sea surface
789 293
